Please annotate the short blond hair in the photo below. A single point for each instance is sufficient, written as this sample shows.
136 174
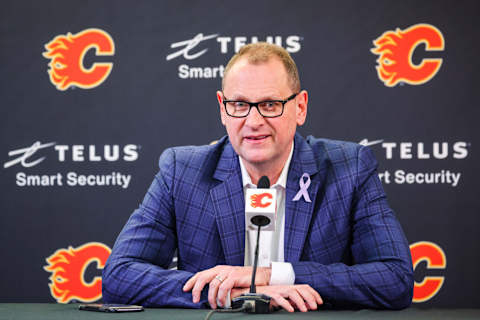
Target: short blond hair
261 52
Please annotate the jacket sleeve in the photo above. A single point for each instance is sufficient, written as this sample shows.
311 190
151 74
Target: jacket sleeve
381 274
137 269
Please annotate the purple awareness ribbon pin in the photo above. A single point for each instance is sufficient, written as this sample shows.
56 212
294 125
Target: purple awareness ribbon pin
303 188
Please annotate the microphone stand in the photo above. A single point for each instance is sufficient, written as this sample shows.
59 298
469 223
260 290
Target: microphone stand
253 288
252 302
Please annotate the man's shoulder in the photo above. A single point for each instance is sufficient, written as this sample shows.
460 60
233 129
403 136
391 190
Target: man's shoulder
193 157
339 156
333 149
340 164
331 143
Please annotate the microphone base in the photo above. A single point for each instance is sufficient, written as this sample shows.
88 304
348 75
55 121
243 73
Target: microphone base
255 303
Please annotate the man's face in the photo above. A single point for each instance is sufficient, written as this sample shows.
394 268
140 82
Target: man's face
262 141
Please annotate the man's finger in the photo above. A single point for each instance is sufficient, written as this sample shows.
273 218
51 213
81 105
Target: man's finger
212 292
202 280
297 299
224 288
189 284
317 296
282 302
308 297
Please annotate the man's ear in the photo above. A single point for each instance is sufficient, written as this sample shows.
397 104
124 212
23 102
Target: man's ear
302 106
220 105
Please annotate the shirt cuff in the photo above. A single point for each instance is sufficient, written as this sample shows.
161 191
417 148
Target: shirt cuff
282 274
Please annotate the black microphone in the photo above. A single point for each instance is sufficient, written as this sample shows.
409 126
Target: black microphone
263 183
253 302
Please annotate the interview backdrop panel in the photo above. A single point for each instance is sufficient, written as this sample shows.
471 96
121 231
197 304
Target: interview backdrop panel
92 92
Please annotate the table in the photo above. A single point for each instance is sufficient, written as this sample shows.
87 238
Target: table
53 311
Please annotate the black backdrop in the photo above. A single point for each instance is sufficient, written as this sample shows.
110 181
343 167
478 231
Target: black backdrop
149 102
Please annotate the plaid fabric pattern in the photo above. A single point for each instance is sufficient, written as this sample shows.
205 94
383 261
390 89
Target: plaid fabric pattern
346 243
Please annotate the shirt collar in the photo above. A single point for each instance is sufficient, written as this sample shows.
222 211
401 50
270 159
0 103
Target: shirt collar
282 179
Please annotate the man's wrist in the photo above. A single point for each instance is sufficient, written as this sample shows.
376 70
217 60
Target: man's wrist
266 275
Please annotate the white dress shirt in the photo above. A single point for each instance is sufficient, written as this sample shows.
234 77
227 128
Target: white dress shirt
271 247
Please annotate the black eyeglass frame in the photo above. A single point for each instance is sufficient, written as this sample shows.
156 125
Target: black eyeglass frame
255 104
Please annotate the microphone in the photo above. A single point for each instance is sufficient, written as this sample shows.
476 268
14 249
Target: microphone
263 183
261 201
260 210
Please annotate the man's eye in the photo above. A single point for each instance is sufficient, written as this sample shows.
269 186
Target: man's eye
240 104
269 105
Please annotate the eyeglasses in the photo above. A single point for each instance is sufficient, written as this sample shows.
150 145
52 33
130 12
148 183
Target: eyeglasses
268 109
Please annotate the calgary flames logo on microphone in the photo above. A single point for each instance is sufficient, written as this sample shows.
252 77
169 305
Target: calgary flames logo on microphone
256 200
67 53
395 50
68 267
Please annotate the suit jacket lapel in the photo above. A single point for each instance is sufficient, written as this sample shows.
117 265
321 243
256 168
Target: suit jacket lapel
229 205
299 213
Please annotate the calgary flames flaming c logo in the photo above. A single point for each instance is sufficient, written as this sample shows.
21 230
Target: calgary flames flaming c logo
67 52
256 200
68 267
395 50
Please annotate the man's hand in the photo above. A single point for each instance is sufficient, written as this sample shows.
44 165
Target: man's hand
301 296
222 279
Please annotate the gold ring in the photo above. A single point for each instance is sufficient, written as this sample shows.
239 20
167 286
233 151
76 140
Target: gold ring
219 278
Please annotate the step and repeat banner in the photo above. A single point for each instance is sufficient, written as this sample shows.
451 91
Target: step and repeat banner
93 91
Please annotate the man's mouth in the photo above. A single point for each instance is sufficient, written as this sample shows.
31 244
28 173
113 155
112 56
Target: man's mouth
256 138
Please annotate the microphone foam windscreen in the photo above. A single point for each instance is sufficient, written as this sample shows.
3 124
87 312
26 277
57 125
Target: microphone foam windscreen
263 183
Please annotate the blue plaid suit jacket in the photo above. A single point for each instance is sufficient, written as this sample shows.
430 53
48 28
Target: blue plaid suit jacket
346 244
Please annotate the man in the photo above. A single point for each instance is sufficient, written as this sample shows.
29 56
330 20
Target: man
336 242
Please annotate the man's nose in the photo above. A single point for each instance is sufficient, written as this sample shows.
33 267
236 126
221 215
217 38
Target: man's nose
254 118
